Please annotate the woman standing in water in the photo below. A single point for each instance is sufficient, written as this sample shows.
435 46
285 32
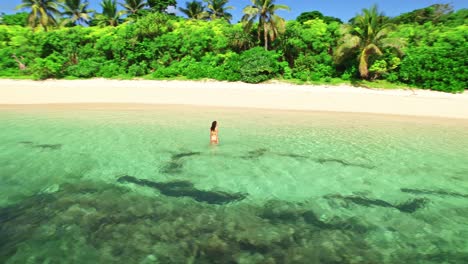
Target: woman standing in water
214 133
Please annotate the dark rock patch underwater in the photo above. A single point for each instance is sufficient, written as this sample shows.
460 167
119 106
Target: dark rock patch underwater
434 192
85 222
176 164
186 189
41 146
90 222
409 206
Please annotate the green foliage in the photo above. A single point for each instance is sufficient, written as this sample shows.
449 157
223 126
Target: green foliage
86 68
365 40
8 66
43 12
158 45
50 67
161 6
434 13
110 69
194 10
133 8
312 68
18 19
269 22
306 16
350 73
217 9
385 67
455 19
109 16
76 12
307 49
258 65
229 70
441 65
152 25
138 69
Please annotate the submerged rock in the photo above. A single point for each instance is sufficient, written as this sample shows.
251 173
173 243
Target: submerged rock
409 206
184 154
176 164
48 146
41 146
186 189
96 222
51 189
286 212
343 162
254 154
434 192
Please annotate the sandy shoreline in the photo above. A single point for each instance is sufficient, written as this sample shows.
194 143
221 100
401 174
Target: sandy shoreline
278 96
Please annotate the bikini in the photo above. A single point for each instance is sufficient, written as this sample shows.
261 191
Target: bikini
213 135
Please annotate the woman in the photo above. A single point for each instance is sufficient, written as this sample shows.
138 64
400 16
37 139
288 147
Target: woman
214 133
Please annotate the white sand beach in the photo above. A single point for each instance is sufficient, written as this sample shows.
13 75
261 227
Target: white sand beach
276 95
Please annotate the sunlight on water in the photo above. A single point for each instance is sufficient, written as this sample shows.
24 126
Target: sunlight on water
141 184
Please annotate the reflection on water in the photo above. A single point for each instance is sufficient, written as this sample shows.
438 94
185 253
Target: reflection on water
80 185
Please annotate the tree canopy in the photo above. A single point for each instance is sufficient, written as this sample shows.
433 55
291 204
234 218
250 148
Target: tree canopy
306 16
423 48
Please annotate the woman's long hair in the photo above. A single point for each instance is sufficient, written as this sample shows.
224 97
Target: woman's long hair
213 126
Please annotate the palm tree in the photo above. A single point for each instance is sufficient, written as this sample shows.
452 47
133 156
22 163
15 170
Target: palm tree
366 35
132 7
161 5
77 12
109 16
217 9
42 12
271 23
194 10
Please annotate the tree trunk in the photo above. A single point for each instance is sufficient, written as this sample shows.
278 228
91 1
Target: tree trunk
363 64
265 34
258 29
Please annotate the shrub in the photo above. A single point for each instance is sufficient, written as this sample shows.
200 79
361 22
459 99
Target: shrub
110 69
441 67
312 67
85 68
165 72
230 69
50 67
138 69
258 65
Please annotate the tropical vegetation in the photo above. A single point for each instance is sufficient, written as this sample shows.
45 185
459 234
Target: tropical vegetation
76 12
41 12
366 36
194 10
268 21
424 48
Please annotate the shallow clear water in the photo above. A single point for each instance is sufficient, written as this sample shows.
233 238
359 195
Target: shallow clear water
141 184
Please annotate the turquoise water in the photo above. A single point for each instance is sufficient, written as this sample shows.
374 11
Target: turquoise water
141 184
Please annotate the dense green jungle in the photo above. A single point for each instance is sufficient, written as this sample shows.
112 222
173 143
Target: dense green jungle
425 48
